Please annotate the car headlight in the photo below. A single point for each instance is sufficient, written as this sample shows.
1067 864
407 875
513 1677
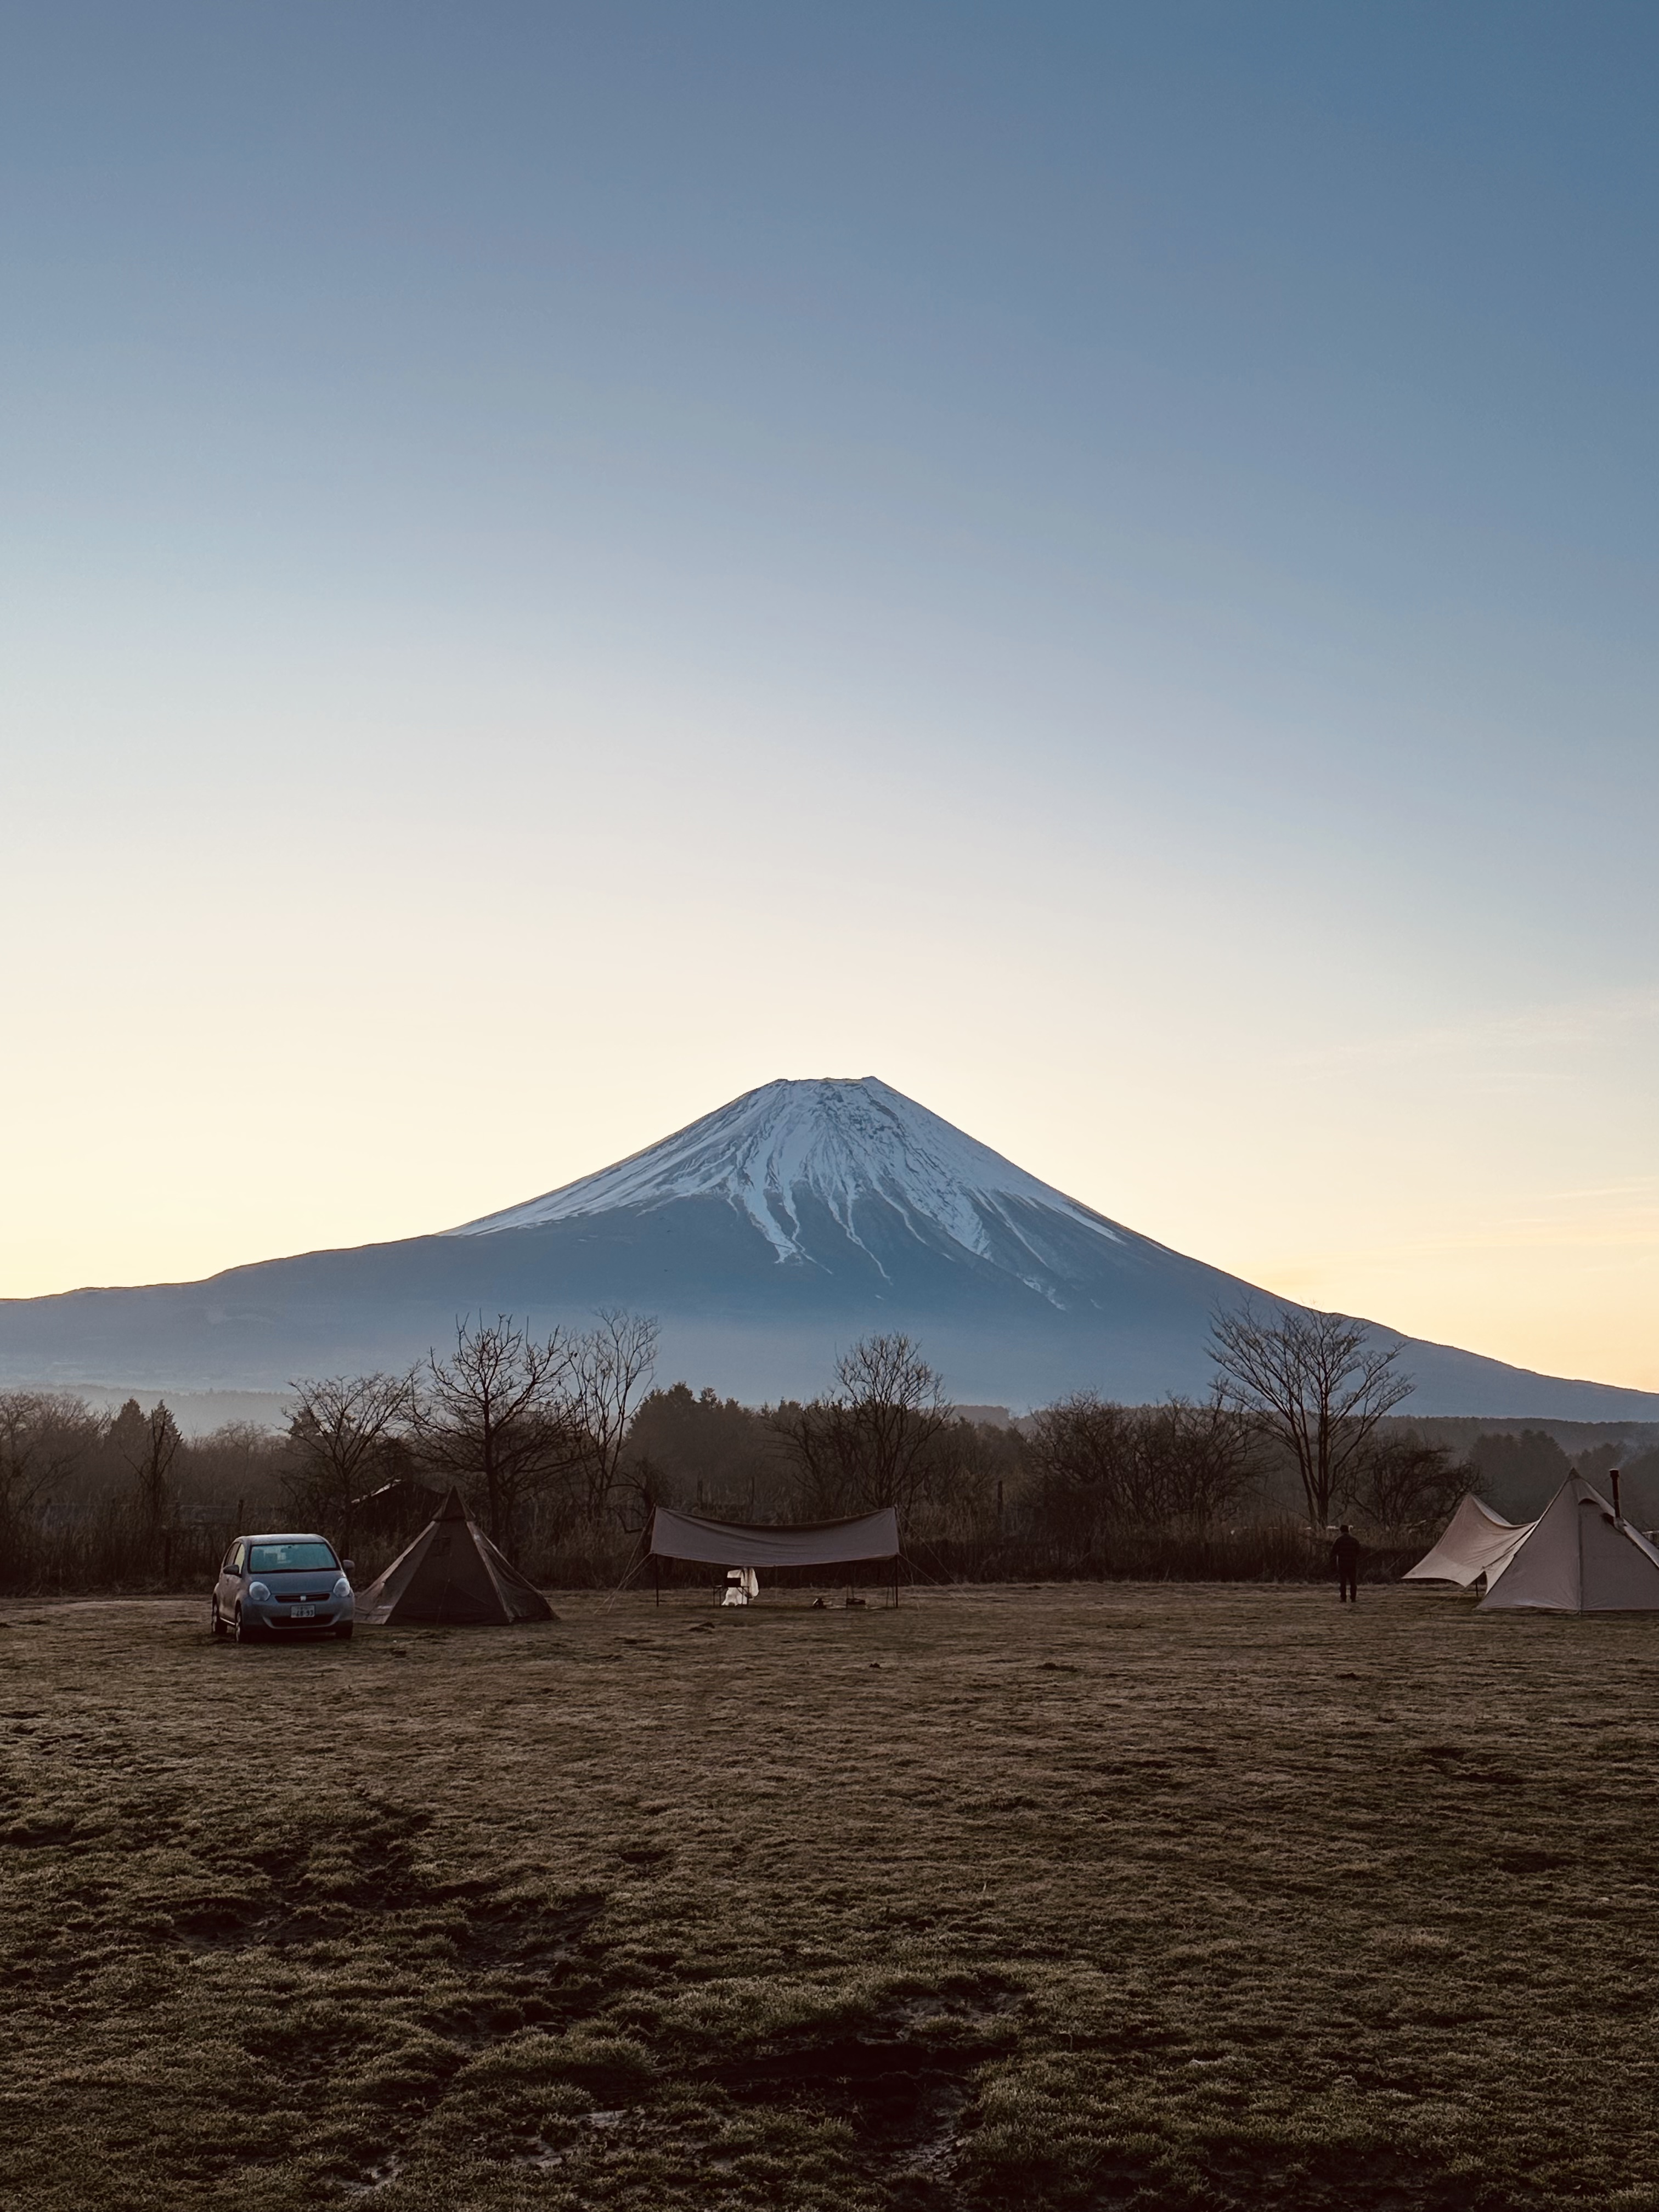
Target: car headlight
341 1586
258 1593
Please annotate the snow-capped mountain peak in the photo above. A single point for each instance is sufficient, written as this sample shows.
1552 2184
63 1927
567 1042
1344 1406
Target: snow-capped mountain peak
792 1222
843 1144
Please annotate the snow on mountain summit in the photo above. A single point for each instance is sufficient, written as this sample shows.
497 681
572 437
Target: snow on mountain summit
842 1143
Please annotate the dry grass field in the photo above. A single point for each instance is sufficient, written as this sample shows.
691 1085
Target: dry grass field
1082 1896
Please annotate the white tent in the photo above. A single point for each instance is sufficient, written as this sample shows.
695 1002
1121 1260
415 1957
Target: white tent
1476 1541
1580 1556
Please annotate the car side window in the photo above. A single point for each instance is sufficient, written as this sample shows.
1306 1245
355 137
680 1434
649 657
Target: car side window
233 1561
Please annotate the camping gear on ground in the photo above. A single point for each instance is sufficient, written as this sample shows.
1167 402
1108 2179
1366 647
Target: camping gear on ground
1476 1541
451 1573
1579 1557
740 1547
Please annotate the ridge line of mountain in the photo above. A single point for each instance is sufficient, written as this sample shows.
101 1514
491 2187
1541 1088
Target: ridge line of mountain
766 1235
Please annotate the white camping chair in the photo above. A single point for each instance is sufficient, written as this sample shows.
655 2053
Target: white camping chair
742 1586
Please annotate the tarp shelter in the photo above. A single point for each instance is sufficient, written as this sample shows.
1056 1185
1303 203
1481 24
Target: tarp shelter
452 1572
1477 1541
803 1544
1580 1556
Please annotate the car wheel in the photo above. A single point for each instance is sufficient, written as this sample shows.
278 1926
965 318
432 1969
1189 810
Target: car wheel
344 1634
242 1631
216 1620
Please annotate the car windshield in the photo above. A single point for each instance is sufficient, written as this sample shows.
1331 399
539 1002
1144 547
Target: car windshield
293 1558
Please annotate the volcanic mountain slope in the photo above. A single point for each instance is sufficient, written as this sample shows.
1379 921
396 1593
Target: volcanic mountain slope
764 1237
818 1167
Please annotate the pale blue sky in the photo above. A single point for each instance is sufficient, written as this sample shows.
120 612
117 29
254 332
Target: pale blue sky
1095 562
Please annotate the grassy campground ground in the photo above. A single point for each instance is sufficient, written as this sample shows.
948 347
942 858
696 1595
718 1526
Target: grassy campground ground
1130 1896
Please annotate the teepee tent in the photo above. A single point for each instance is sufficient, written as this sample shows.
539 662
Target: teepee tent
1476 1541
452 1572
1581 1557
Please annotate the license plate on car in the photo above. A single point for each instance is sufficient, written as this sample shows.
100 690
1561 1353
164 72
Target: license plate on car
302 1612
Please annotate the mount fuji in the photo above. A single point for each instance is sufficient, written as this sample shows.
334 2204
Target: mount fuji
765 1236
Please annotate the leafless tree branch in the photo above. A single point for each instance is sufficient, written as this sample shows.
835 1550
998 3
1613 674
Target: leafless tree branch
1316 1383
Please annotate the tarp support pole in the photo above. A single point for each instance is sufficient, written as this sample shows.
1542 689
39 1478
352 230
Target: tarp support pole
656 1574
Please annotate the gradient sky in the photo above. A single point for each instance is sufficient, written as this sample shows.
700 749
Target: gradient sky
1096 562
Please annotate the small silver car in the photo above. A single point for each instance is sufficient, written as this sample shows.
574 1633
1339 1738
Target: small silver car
281 1586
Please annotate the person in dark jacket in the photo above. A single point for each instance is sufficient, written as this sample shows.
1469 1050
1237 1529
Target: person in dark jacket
1345 1553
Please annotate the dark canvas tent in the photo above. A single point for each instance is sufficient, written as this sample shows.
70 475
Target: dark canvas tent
451 1572
803 1544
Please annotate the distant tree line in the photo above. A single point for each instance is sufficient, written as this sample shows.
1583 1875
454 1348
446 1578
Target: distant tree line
1295 1433
561 1445
533 1429
95 1500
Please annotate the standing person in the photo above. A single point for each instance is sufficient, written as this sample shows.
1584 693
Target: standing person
1345 1553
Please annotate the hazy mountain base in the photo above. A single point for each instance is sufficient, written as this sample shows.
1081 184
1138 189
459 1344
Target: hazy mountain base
1132 1320
1157 1899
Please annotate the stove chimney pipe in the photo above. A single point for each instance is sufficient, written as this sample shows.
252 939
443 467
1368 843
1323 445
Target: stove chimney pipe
1614 1472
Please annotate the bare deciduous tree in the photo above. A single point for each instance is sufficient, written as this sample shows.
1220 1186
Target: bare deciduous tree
1090 1470
44 1436
340 1438
1316 1384
499 1416
149 1444
610 1368
1104 1466
874 1442
1204 1457
1403 1482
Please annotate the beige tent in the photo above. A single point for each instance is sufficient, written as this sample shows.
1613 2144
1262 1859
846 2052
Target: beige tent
1476 1541
1580 1556
452 1572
